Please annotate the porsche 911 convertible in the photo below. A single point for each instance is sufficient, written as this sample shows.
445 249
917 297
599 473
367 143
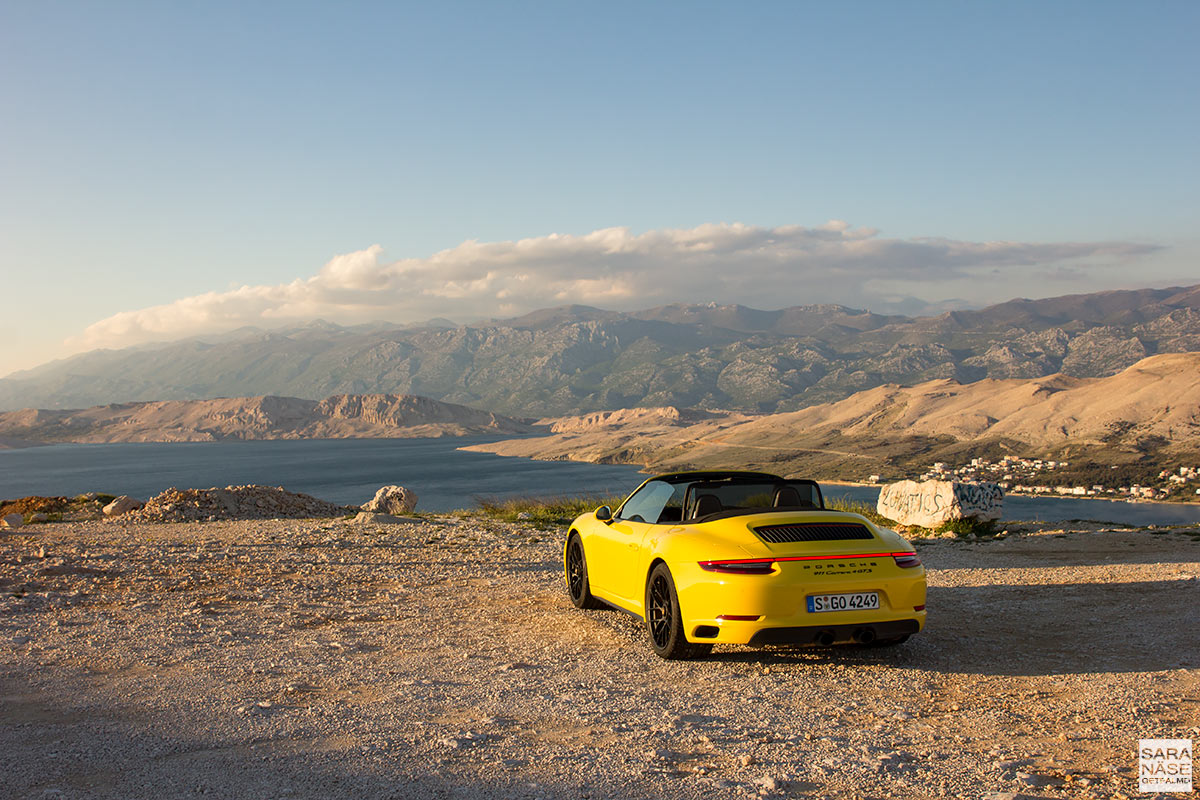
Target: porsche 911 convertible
744 558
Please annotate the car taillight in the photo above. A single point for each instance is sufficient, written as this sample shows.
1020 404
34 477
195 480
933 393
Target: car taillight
907 559
756 566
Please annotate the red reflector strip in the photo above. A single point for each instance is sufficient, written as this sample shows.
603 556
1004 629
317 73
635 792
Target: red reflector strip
739 617
747 567
918 608
847 557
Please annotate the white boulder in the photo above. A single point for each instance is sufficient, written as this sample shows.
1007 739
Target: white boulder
13 520
931 503
122 505
392 500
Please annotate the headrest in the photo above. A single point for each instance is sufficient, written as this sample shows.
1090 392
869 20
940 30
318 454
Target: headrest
707 504
786 496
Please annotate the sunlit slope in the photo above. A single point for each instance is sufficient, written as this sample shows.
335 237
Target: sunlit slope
1158 396
1150 407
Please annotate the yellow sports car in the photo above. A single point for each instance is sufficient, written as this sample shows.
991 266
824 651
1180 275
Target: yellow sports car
744 558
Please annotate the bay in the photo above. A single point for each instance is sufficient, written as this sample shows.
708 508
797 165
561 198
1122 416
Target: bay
344 471
348 471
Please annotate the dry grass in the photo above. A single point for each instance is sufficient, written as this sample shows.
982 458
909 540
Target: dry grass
858 507
57 508
555 509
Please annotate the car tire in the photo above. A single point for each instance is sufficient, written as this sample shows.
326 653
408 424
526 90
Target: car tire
579 588
663 620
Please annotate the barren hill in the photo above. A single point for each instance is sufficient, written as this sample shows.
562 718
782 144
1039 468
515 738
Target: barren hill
1158 397
1152 407
269 417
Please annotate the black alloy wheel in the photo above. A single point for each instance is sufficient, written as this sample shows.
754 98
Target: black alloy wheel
578 586
664 620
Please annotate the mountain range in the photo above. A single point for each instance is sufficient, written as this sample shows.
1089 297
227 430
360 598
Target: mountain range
337 417
578 359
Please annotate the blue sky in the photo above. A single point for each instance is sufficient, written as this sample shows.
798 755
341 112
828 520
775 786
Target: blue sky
156 157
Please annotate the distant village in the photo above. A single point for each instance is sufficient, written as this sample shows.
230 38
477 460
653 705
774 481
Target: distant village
1016 475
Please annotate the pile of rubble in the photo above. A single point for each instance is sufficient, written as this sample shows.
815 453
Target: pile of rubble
232 502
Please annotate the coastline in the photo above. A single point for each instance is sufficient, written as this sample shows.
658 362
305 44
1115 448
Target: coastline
650 469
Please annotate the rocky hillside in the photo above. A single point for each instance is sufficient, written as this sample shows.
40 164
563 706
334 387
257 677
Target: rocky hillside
337 417
1150 410
578 359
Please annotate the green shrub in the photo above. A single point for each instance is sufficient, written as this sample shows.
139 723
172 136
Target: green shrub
968 527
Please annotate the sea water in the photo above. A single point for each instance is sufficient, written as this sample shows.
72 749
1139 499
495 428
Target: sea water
344 471
349 471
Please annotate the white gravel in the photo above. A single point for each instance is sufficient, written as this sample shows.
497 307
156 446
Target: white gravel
314 659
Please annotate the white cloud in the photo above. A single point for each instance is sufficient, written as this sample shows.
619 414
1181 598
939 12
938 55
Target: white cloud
611 268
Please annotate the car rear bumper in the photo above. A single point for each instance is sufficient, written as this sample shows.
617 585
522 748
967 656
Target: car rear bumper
765 609
818 634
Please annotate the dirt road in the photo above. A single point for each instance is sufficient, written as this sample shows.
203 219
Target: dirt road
306 659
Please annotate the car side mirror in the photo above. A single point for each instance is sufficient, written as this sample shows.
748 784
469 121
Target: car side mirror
604 514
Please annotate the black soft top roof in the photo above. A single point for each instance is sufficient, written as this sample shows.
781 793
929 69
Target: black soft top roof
717 475
713 479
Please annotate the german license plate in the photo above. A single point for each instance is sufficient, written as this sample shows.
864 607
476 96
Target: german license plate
858 601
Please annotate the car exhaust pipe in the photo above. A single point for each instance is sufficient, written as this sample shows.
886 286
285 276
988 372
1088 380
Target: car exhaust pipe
824 638
864 635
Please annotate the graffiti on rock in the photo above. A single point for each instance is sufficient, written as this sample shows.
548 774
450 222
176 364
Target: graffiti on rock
931 503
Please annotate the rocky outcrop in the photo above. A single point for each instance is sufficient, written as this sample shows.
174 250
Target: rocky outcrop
1102 351
404 410
929 504
122 505
13 520
232 502
391 500
666 415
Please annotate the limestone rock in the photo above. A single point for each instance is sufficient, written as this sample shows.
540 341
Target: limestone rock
13 520
38 516
122 505
931 503
392 500
233 502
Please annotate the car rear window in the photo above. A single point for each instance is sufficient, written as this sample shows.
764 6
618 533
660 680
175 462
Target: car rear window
706 498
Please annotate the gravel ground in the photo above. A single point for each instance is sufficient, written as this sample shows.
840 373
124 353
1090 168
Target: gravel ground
310 658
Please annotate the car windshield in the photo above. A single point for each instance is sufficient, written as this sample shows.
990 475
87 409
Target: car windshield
656 502
664 502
